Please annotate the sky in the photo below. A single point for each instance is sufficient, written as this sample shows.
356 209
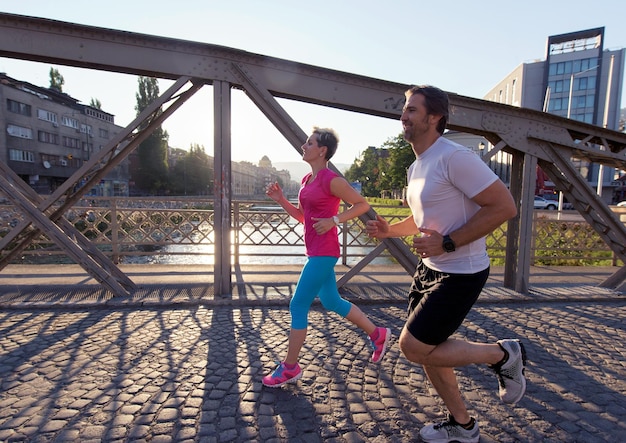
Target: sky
459 46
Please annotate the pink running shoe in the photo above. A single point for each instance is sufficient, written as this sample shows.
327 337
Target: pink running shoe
282 375
380 345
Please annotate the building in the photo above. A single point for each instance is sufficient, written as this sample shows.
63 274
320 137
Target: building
49 135
252 180
578 79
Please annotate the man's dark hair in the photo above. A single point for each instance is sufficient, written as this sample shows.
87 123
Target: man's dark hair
436 102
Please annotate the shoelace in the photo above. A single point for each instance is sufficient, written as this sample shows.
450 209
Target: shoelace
278 371
443 424
501 373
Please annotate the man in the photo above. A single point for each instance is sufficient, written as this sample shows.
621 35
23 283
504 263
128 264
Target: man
455 201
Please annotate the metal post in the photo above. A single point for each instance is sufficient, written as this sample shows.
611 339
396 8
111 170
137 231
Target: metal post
223 197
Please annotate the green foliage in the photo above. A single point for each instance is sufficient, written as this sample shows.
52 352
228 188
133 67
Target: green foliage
95 103
578 244
56 80
366 172
554 243
150 175
401 156
382 169
192 174
389 207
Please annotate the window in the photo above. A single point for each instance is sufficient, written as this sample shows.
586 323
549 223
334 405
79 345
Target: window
119 189
552 69
71 142
85 129
98 114
584 64
560 68
558 86
591 82
18 107
48 137
19 131
567 69
48 116
103 133
18 155
69 122
556 104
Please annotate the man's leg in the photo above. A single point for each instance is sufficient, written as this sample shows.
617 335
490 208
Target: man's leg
439 362
445 383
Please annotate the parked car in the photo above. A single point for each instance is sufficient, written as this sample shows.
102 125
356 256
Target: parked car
555 199
542 203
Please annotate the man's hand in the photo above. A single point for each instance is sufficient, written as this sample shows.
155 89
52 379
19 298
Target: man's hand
428 243
377 228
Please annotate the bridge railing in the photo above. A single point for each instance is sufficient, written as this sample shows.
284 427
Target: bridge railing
180 230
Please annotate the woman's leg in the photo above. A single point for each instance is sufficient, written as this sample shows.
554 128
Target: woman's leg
332 300
307 288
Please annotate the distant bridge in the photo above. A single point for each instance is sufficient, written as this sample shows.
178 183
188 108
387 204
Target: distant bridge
531 137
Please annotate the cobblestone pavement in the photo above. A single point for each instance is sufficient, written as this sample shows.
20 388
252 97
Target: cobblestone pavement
192 373
176 363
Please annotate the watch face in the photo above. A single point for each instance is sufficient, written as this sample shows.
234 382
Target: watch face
448 244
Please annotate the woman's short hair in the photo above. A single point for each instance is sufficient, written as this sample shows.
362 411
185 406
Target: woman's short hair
436 102
327 137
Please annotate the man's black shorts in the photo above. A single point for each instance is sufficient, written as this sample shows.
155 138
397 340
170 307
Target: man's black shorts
439 302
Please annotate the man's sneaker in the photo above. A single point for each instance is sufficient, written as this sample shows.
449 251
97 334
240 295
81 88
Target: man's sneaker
511 373
450 430
282 375
380 344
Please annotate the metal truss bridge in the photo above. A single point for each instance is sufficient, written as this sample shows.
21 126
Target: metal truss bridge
531 137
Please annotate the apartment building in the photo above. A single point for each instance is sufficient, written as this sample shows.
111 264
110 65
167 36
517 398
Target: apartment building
578 79
48 135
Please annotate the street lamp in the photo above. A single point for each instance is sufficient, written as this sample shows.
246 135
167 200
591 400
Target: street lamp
571 87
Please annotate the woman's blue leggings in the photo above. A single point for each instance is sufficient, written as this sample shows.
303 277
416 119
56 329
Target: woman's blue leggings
317 278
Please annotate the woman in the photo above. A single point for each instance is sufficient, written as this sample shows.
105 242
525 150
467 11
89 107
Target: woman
318 202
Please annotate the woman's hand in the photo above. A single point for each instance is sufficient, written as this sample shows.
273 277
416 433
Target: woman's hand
322 225
274 192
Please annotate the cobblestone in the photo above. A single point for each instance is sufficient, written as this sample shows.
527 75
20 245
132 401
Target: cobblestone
178 373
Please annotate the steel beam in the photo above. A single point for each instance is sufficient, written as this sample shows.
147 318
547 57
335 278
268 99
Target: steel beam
514 130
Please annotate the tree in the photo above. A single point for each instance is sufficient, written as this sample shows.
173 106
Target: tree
384 168
366 171
193 172
401 156
95 103
152 169
56 80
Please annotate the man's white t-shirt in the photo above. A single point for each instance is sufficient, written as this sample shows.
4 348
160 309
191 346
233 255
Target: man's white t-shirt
441 183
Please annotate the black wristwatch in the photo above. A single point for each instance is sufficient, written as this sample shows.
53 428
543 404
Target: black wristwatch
448 244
